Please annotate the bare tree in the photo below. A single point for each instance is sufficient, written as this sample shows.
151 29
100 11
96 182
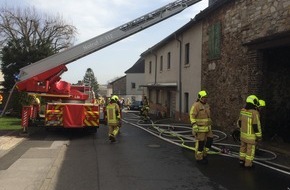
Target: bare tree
26 37
35 29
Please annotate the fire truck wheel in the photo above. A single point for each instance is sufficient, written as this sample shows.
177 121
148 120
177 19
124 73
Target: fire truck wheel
94 130
90 129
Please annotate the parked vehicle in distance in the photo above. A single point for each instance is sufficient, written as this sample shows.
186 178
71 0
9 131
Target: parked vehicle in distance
136 105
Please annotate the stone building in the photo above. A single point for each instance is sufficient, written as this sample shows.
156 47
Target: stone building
119 86
135 79
246 45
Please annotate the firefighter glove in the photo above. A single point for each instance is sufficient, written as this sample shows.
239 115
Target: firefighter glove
193 133
194 127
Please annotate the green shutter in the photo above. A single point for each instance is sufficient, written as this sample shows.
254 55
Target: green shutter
214 43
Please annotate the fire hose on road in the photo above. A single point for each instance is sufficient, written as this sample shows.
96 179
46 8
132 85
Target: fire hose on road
181 135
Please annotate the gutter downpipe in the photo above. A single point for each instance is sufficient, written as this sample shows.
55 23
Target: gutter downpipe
179 76
155 77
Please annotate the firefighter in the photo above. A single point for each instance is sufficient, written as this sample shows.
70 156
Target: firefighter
102 100
128 103
35 100
201 127
236 132
144 112
36 107
120 107
113 118
250 127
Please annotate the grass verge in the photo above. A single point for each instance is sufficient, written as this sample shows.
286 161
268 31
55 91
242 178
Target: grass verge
10 123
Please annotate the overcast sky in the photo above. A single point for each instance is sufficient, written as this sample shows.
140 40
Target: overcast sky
94 17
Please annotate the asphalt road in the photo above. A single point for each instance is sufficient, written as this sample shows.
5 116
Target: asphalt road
136 161
74 160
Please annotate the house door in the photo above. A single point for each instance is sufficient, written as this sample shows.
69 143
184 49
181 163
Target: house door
171 103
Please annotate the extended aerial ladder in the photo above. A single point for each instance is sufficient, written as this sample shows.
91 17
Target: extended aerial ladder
39 76
43 77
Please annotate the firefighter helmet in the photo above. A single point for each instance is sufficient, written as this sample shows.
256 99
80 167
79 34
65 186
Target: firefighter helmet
115 97
262 103
202 94
253 99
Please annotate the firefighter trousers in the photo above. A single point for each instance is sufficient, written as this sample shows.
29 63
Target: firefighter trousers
203 144
247 153
113 130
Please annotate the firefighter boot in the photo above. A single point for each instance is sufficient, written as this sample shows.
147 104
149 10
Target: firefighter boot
242 163
250 167
116 131
203 161
112 138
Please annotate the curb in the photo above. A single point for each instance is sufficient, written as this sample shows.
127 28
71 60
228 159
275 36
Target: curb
47 183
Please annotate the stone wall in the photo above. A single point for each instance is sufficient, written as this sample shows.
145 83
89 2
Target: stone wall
258 18
182 117
210 2
238 72
119 86
158 110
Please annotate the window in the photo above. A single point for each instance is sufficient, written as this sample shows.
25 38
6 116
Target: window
186 99
168 60
150 66
157 96
133 85
151 95
186 58
161 63
214 43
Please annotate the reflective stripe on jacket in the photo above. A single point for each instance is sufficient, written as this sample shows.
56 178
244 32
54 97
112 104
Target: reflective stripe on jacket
113 113
249 118
200 115
204 129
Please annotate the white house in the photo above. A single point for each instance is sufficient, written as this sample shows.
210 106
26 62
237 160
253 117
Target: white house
135 79
173 71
